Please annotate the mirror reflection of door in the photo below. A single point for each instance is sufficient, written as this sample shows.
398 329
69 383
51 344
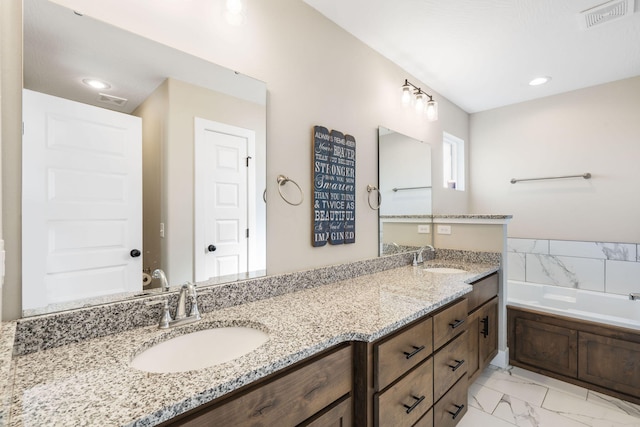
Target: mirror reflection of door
82 210
224 199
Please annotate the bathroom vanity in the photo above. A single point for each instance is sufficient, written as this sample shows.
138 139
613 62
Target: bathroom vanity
346 351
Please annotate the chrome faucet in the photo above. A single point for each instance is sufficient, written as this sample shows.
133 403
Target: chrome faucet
188 291
633 296
159 274
420 259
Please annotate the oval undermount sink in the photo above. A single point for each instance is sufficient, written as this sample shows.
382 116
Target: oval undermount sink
444 270
200 349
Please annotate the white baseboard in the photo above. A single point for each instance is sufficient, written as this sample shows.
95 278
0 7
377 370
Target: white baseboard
502 359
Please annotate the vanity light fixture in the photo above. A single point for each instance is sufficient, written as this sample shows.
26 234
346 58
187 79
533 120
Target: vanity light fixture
422 101
539 81
96 84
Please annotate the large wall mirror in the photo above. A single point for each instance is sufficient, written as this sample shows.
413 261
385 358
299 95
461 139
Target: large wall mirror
163 167
405 214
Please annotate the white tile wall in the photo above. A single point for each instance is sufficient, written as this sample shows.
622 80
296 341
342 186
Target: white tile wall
622 277
597 266
571 272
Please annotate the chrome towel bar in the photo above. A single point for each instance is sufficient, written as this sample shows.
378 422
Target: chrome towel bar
584 175
408 188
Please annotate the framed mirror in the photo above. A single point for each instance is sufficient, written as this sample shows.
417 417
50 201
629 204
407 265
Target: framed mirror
181 190
404 177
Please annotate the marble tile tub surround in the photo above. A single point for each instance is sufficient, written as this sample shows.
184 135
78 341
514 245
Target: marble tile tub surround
596 266
54 330
91 382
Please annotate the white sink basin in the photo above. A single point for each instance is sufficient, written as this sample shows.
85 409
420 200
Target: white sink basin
200 349
444 270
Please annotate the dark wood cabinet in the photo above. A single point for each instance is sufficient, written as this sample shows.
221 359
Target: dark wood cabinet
609 362
401 378
483 325
599 357
339 414
288 399
549 347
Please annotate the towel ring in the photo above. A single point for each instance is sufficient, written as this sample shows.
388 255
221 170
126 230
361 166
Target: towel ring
283 180
370 189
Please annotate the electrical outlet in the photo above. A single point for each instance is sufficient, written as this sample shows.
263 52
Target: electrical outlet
444 229
424 229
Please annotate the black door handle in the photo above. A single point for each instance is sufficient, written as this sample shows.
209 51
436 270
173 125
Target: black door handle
135 253
211 248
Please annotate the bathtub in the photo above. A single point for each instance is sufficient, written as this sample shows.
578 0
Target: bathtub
611 309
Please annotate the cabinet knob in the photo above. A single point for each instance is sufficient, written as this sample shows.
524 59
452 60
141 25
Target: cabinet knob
211 248
135 253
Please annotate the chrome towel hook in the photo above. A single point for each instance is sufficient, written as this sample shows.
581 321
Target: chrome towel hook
370 189
282 180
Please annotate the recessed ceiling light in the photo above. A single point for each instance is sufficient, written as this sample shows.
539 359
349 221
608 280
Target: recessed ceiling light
539 81
96 84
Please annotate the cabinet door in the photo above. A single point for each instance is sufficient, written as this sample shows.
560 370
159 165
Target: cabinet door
473 367
287 400
609 362
487 333
338 416
545 346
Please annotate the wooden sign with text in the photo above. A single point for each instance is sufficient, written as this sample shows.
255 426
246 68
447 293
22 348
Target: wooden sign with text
334 184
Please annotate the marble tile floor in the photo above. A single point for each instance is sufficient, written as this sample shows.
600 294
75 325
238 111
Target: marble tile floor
516 397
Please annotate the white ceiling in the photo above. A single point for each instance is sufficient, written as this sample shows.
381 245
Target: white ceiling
481 54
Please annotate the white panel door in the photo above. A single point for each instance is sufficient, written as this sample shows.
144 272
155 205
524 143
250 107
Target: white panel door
81 201
223 199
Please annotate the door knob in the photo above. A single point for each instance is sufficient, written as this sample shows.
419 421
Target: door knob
134 253
211 248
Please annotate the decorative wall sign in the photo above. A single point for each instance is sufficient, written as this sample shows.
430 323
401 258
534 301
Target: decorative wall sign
334 184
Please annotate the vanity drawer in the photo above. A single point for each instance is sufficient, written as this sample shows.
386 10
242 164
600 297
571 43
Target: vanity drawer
450 364
483 291
408 400
426 421
287 400
401 352
452 407
449 322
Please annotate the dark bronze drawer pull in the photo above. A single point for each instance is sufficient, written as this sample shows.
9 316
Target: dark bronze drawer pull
455 414
412 407
485 328
457 365
414 352
456 323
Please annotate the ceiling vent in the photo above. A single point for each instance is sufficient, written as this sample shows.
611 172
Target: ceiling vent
606 12
112 100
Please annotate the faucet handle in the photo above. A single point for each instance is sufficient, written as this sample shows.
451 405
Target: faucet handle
165 318
191 289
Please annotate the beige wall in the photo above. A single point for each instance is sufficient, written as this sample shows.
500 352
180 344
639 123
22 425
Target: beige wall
186 102
154 113
405 234
316 74
590 130
471 237
11 98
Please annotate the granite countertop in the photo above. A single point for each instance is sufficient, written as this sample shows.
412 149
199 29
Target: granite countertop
91 383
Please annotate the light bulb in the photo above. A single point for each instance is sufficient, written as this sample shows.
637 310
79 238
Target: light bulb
96 84
419 102
432 110
406 94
